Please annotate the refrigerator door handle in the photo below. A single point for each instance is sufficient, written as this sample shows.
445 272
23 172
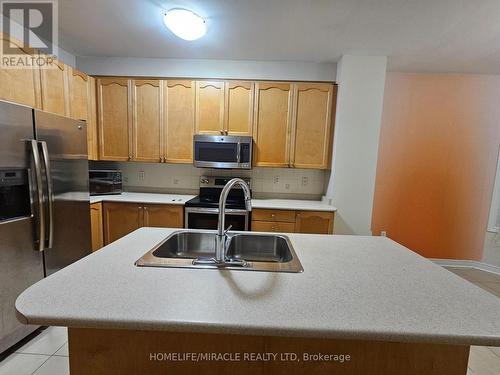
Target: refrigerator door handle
39 192
50 194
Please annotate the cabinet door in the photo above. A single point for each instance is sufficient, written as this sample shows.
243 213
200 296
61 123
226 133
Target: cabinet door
79 94
20 86
96 226
179 99
92 132
114 119
272 124
314 222
312 125
55 89
238 109
165 216
147 118
209 107
120 219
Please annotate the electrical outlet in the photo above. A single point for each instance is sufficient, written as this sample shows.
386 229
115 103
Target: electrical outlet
305 181
176 181
383 233
125 179
276 179
287 186
142 175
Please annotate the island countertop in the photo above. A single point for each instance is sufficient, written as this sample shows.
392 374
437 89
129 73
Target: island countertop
352 287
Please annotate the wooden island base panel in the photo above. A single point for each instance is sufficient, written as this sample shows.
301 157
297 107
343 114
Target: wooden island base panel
128 352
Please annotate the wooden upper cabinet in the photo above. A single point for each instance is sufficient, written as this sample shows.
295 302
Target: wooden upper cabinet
114 118
312 125
314 222
55 89
79 89
92 132
238 109
272 120
179 113
20 85
209 117
147 119
119 219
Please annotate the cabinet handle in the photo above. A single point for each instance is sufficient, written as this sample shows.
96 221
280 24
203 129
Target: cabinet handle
130 157
221 132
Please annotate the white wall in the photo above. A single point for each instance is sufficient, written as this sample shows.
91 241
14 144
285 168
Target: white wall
491 250
223 69
361 81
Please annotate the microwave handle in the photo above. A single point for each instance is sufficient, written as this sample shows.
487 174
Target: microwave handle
238 153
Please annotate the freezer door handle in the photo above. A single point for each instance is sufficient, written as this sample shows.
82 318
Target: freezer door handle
50 194
39 193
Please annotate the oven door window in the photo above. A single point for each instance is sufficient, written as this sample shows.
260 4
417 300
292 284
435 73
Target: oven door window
198 220
216 152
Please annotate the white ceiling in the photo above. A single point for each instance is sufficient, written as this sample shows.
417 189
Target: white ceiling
416 35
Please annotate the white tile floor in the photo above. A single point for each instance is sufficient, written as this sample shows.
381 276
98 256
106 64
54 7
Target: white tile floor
47 353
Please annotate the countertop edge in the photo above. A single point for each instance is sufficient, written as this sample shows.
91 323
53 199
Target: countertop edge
265 331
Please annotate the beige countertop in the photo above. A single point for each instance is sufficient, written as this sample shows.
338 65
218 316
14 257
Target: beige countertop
352 287
152 198
157 198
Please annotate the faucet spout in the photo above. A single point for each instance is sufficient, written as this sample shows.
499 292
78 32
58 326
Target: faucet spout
220 254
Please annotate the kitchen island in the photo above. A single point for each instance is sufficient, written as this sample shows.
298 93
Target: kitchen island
362 305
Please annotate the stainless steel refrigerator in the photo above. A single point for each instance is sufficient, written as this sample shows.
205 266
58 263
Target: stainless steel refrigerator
44 204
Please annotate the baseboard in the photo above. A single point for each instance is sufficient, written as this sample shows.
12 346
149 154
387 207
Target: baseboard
467 264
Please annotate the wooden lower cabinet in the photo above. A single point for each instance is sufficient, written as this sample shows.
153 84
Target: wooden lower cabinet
314 222
132 352
120 219
273 226
96 226
290 221
163 216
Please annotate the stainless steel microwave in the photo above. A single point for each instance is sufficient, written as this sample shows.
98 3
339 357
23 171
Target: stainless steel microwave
222 151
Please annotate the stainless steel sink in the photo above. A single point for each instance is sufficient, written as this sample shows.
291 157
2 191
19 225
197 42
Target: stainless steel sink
262 252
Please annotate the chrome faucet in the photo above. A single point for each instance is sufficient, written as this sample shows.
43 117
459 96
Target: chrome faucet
220 250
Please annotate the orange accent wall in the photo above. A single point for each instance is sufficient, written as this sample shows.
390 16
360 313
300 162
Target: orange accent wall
437 157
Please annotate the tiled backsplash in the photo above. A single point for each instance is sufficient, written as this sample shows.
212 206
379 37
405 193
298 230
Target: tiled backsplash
182 178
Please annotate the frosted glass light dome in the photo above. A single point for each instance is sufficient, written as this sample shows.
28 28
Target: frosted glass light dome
185 24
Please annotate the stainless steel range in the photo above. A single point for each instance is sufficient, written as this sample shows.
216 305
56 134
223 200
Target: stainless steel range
201 212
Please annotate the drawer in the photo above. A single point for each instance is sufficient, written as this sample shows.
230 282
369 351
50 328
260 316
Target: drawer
272 226
273 215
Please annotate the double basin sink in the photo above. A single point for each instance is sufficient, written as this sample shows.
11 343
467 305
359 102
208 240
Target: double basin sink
261 252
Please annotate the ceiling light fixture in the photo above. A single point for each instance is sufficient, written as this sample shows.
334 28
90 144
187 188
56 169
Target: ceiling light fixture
185 24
